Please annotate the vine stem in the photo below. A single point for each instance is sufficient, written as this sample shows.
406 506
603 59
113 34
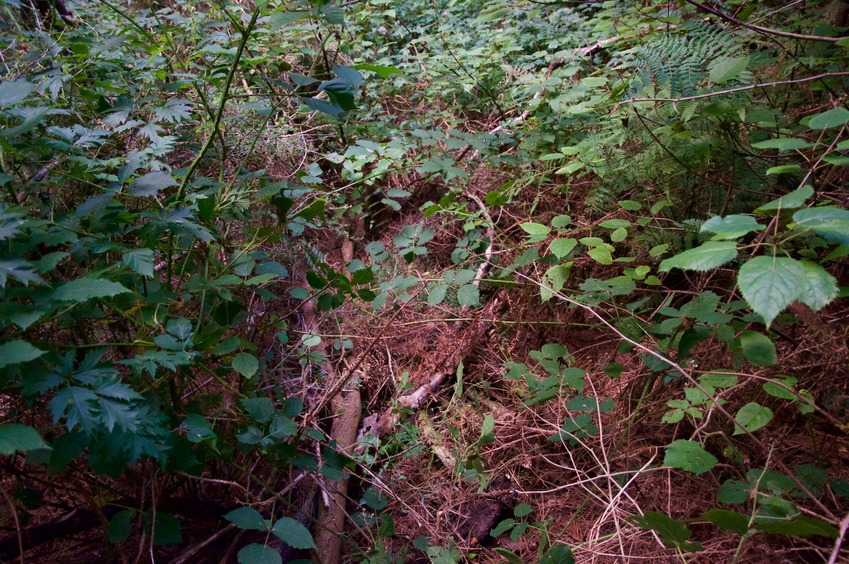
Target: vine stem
246 33
216 125
739 88
760 29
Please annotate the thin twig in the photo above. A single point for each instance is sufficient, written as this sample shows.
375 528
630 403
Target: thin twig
760 29
739 89
835 552
18 529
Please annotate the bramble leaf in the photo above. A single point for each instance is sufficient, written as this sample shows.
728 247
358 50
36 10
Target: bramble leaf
769 284
752 417
672 532
151 183
758 348
84 289
245 364
732 226
706 257
19 437
256 553
20 270
293 533
789 201
248 518
820 287
18 352
14 91
830 119
689 456
829 222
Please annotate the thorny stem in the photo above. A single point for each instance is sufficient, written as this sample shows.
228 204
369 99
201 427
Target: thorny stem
181 191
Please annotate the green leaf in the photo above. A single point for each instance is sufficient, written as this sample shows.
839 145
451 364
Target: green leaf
752 417
783 169
151 183
261 410
784 144
167 529
561 221
198 429
790 201
558 554
829 222
615 223
706 257
732 226
820 287
333 14
14 91
769 284
781 392
437 294
487 427
280 18
536 231
561 247
619 235
282 427
724 69
733 492
689 456
381 70
245 364
120 526
18 352
293 533
799 526
758 348
830 119
601 255
522 510
728 520
139 261
493 15
248 518
718 380
255 553
468 295
19 437
553 280
672 532
502 527
84 289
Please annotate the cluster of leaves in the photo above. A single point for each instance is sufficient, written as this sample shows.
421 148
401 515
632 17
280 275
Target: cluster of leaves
135 234
134 237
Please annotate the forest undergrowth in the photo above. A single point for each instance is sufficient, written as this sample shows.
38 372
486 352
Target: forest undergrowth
424 281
